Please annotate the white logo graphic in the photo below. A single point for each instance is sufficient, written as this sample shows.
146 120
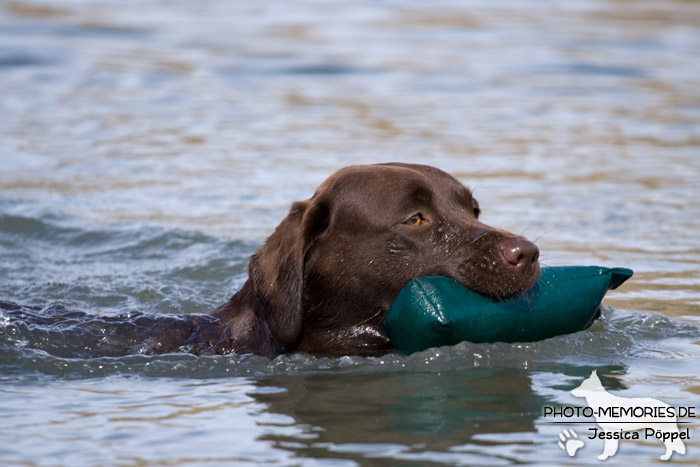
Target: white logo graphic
618 416
569 442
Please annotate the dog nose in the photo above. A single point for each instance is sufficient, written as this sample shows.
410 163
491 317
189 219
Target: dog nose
519 252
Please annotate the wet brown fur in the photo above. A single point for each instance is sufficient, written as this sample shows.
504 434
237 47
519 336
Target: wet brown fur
323 281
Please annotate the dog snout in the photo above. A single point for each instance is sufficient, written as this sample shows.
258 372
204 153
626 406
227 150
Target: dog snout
518 252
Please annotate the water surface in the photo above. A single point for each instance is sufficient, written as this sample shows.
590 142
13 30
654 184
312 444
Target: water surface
148 148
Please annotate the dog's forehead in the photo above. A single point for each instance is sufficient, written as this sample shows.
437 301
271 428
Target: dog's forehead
383 183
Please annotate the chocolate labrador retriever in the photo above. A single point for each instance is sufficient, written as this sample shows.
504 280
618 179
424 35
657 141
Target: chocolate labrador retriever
324 280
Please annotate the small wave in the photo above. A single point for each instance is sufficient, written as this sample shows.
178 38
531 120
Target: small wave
153 269
619 336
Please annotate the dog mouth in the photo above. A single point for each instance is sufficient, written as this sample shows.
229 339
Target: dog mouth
491 281
507 266
508 285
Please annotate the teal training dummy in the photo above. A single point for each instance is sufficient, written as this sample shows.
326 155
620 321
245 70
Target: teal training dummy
436 311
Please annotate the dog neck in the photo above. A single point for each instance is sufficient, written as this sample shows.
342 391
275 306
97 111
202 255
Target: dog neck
244 315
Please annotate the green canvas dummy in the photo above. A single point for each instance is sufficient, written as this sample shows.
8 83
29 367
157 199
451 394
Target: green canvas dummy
436 311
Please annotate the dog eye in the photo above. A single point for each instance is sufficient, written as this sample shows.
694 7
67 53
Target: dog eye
415 220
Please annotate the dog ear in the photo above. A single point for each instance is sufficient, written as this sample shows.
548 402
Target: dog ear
277 269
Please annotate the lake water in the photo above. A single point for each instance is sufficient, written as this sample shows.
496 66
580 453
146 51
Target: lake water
147 148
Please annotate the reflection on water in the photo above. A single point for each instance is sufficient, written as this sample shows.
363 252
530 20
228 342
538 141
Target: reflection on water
410 413
482 415
149 148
